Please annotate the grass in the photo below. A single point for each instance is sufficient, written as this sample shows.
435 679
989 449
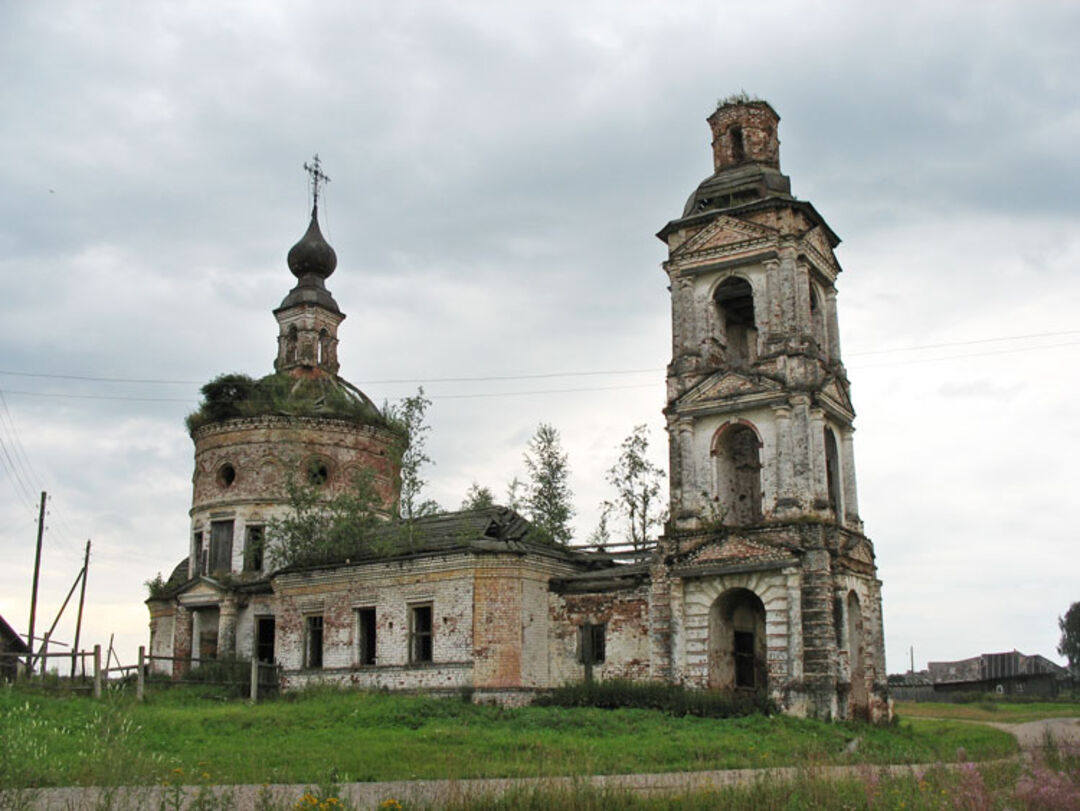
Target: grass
990 710
349 737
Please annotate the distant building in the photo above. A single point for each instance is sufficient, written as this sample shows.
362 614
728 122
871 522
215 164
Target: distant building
1010 673
10 643
763 581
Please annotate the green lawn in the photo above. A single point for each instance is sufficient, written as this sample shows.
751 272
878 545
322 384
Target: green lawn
990 710
345 737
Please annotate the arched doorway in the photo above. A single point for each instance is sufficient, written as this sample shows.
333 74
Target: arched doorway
860 701
736 651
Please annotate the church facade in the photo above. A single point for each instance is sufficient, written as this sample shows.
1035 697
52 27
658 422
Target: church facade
764 580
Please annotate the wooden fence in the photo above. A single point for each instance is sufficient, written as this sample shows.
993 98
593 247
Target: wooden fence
255 679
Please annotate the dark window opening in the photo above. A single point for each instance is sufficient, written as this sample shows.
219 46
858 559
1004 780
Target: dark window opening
313 649
264 639
317 472
208 645
365 628
226 475
735 303
221 541
420 648
253 549
199 555
744 659
292 349
832 472
593 643
738 146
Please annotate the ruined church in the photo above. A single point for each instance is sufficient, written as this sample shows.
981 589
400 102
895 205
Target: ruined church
763 580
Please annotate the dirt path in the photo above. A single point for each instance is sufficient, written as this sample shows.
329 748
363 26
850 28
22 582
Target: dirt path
1031 734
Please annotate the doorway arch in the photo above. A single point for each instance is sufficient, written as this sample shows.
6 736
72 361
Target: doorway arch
737 647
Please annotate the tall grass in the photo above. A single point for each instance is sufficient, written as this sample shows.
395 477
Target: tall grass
350 737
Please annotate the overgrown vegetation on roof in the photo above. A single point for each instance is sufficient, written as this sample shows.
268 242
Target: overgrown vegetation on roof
742 97
230 396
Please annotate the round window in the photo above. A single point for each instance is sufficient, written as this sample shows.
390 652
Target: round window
226 475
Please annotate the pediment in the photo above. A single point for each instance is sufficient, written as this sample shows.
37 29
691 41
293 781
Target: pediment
862 552
818 242
839 394
202 589
721 233
726 385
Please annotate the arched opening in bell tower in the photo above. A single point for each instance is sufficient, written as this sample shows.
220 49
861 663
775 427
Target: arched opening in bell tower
860 702
735 306
324 346
738 145
736 652
832 473
737 453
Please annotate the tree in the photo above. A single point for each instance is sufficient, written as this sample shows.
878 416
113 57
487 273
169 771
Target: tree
1069 646
478 498
514 498
321 530
547 493
408 417
637 484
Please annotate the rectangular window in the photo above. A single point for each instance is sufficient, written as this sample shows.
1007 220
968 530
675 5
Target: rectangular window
420 648
199 555
264 639
744 659
365 636
592 643
253 549
313 642
221 538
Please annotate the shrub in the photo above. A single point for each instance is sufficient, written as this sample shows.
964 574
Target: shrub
671 699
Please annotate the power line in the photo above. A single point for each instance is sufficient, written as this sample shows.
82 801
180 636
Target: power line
968 343
550 375
489 378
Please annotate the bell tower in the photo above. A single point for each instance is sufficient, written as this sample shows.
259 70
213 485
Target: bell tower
759 411
766 564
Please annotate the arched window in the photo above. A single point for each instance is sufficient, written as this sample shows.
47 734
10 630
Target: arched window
292 348
832 473
817 321
324 346
735 306
737 650
737 450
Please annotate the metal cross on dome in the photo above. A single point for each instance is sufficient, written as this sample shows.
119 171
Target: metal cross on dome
317 176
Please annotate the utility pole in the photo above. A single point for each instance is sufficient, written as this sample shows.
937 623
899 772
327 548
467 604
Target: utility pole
82 600
912 660
33 593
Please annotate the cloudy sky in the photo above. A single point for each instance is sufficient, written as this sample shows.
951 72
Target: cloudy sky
499 171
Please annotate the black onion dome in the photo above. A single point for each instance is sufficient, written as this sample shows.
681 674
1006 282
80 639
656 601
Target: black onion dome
312 255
